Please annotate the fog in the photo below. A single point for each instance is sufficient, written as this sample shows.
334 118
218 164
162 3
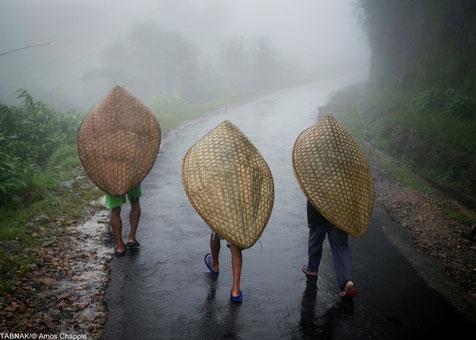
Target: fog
191 48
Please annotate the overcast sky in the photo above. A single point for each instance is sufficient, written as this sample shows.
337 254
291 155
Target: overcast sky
311 33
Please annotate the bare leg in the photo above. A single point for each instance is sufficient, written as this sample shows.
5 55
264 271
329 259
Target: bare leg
134 217
215 251
116 225
236 263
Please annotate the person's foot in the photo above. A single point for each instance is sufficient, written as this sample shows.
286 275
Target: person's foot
131 243
349 291
209 263
307 272
236 297
120 251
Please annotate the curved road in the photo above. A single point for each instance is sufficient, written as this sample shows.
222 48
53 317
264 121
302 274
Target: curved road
164 291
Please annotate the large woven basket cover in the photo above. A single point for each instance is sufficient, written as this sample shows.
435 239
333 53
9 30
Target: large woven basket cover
229 184
335 176
118 142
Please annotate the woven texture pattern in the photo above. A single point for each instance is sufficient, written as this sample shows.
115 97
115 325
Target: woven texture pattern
229 184
335 176
118 142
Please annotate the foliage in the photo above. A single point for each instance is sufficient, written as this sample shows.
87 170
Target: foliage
453 102
455 213
152 61
29 135
254 64
14 175
345 104
420 98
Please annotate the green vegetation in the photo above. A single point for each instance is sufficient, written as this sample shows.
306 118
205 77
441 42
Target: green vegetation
453 212
29 135
419 103
344 103
39 177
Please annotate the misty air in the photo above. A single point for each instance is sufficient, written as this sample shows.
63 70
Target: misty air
206 169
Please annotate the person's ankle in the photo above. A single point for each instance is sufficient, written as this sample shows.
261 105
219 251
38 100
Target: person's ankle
235 292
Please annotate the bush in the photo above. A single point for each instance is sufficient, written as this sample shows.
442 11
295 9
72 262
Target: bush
29 135
14 176
33 131
459 105
453 102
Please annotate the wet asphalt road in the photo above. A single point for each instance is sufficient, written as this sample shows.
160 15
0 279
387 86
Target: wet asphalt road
164 291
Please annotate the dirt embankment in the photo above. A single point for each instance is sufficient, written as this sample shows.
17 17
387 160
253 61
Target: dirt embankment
433 234
63 292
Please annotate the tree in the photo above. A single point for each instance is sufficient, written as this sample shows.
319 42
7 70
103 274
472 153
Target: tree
151 61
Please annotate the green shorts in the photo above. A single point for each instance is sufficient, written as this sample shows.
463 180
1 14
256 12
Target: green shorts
116 201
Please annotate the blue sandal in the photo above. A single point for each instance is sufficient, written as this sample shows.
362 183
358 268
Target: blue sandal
236 298
208 263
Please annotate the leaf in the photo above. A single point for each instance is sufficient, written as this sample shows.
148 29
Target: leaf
10 165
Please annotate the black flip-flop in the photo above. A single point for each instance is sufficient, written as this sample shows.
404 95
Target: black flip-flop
307 272
133 244
120 253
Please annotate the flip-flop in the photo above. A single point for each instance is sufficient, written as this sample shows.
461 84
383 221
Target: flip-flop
236 298
208 263
119 253
133 244
307 272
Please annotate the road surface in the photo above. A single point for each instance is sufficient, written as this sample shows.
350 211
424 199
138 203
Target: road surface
164 291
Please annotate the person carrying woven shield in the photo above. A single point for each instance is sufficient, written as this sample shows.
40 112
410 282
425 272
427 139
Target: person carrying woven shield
341 254
231 187
114 203
335 176
118 142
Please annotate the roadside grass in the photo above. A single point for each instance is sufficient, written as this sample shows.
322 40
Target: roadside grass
401 173
436 124
456 132
457 214
62 191
344 104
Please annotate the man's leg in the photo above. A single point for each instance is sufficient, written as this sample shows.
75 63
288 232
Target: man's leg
318 227
116 225
236 263
341 255
215 251
134 217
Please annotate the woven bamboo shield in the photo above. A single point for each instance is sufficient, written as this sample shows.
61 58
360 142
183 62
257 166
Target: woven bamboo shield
118 142
229 184
335 176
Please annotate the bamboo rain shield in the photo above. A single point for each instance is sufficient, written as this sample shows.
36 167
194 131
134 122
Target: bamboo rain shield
229 184
118 142
334 175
